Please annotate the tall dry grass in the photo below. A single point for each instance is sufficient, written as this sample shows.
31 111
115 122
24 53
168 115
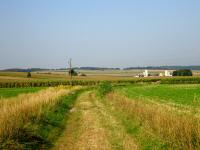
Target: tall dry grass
17 112
178 131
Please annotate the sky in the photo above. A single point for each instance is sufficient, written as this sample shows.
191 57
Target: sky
102 33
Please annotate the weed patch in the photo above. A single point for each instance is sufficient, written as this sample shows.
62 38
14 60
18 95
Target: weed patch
104 88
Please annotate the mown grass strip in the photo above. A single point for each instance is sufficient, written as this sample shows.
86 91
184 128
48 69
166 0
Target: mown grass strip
12 92
184 94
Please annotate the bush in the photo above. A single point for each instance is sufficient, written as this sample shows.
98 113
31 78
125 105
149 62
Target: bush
183 72
104 88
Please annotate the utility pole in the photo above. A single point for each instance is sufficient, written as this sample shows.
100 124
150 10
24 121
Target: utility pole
70 68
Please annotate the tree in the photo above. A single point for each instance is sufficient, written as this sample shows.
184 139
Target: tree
182 72
72 72
29 75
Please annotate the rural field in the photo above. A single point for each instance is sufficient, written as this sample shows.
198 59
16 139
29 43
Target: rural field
105 112
99 75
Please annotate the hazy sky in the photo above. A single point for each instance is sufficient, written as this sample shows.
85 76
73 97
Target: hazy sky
104 33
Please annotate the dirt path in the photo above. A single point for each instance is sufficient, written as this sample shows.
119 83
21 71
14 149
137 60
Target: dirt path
91 126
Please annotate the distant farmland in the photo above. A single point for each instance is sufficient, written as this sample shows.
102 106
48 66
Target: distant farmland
102 110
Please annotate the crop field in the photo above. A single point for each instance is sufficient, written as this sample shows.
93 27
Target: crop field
184 94
51 112
91 75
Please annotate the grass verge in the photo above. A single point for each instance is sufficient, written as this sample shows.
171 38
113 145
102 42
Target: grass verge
39 130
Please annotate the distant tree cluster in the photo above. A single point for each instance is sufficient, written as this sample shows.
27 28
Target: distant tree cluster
182 72
96 68
165 68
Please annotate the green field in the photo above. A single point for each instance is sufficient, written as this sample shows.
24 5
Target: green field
11 92
187 94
